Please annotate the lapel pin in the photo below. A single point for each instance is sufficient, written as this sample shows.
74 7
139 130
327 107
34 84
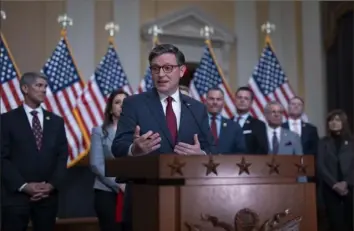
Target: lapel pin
247 121
346 142
47 118
303 124
224 124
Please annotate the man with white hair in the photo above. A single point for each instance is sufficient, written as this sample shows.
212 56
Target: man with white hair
281 141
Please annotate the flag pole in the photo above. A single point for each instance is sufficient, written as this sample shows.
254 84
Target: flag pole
65 21
268 28
155 31
112 29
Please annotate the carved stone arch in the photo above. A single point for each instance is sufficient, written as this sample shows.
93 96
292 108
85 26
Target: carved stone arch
182 28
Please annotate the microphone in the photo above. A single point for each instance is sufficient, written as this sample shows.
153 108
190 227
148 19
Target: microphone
205 136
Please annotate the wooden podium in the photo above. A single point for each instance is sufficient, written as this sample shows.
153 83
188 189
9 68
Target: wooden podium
220 192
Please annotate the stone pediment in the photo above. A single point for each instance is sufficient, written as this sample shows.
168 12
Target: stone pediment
185 25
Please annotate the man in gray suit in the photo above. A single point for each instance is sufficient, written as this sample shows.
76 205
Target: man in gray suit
281 141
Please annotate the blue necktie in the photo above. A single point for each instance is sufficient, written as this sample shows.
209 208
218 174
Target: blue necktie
275 143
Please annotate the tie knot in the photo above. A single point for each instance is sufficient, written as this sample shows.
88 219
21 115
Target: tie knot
34 113
274 133
213 117
169 99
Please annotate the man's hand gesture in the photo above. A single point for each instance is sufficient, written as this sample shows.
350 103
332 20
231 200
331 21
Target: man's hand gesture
189 149
146 143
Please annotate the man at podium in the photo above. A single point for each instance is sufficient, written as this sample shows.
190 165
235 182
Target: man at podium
162 121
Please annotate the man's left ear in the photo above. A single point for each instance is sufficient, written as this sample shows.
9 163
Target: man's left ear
182 70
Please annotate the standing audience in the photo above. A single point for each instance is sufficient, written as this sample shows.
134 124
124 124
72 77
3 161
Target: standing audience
336 169
106 188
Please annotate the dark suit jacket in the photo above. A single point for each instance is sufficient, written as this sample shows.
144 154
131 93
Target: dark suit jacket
309 137
22 162
327 159
145 110
255 133
231 139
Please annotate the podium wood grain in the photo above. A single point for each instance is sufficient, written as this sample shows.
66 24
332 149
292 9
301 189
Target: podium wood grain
164 199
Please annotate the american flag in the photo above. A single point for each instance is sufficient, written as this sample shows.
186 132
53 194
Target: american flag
108 77
146 83
65 85
268 82
209 75
10 92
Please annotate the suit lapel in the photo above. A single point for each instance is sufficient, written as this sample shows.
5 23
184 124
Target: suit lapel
283 139
247 124
47 125
184 118
25 124
156 110
223 127
304 132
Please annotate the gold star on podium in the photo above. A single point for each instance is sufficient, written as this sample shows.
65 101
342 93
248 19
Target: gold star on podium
301 168
274 167
176 167
211 166
243 165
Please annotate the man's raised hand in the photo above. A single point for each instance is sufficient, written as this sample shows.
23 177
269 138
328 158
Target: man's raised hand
146 143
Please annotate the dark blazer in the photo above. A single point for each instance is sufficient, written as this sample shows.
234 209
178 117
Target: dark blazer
231 139
145 110
309 137
255 133
22 162
327 159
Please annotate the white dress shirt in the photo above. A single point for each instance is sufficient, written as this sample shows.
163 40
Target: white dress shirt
295 126
30 116
270 132
176 105
242 119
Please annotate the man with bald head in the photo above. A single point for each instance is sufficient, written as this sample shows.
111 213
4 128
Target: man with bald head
281 141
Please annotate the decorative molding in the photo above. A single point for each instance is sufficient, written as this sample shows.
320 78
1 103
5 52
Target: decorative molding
184 27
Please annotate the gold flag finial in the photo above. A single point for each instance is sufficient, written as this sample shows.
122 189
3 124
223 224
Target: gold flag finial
155 31
3 14
112 28
65 21
207 32
268 27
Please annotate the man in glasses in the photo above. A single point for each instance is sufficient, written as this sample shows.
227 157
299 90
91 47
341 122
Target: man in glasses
163 120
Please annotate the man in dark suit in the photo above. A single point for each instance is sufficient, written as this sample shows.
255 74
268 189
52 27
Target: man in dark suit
307 131
34 153
162 121
254 130
228 135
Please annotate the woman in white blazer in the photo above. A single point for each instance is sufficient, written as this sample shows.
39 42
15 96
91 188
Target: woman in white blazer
106 188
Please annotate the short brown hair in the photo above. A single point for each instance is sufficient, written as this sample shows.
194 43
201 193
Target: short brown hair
343 118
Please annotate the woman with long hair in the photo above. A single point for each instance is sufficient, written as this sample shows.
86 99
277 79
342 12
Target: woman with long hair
106 188
336 169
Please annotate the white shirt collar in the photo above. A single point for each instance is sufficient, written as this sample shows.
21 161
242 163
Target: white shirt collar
271 130
297 121
28 109
243 116
175 96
